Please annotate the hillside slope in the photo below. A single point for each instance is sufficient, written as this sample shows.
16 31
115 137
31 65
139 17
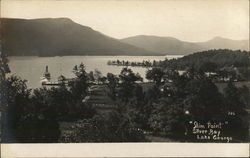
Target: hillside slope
60 36
220 57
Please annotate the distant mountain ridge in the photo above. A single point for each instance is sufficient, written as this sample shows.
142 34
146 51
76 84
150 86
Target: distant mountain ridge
59 37
62 36
222 43
173 46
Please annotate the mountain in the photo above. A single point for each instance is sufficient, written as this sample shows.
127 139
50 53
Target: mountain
222 43
62 36
173 46
58 37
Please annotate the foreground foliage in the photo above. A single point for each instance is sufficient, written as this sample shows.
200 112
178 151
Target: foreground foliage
163 108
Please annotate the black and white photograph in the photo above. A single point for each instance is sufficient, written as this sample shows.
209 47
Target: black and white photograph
125 71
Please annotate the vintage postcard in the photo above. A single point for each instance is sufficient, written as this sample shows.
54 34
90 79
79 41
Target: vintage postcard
125 78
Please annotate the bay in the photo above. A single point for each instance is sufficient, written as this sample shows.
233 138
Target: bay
32 68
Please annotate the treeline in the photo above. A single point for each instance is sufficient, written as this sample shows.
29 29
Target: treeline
221 58
219 61
140 64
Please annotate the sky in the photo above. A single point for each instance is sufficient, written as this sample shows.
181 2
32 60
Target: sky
187 20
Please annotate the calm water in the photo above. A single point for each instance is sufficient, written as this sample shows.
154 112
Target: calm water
32 68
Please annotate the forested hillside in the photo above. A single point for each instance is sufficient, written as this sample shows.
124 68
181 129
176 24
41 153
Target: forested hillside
221 58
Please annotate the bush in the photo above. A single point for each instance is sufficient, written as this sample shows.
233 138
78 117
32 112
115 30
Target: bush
111 127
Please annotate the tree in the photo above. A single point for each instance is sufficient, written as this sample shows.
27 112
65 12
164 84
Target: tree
79 85
128 80
152 94
175 121
4 68
27 120
18 99
97 75
208 66
112 85
75 69
236 113
245 96
138 94
151 99
170 75
233 99
158 116
203 100
155 74
36 128
62 79
91 76
167 117
103 80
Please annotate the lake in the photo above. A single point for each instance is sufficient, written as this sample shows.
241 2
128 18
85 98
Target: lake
32 68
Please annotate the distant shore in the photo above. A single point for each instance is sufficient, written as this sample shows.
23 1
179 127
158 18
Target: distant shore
94 55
